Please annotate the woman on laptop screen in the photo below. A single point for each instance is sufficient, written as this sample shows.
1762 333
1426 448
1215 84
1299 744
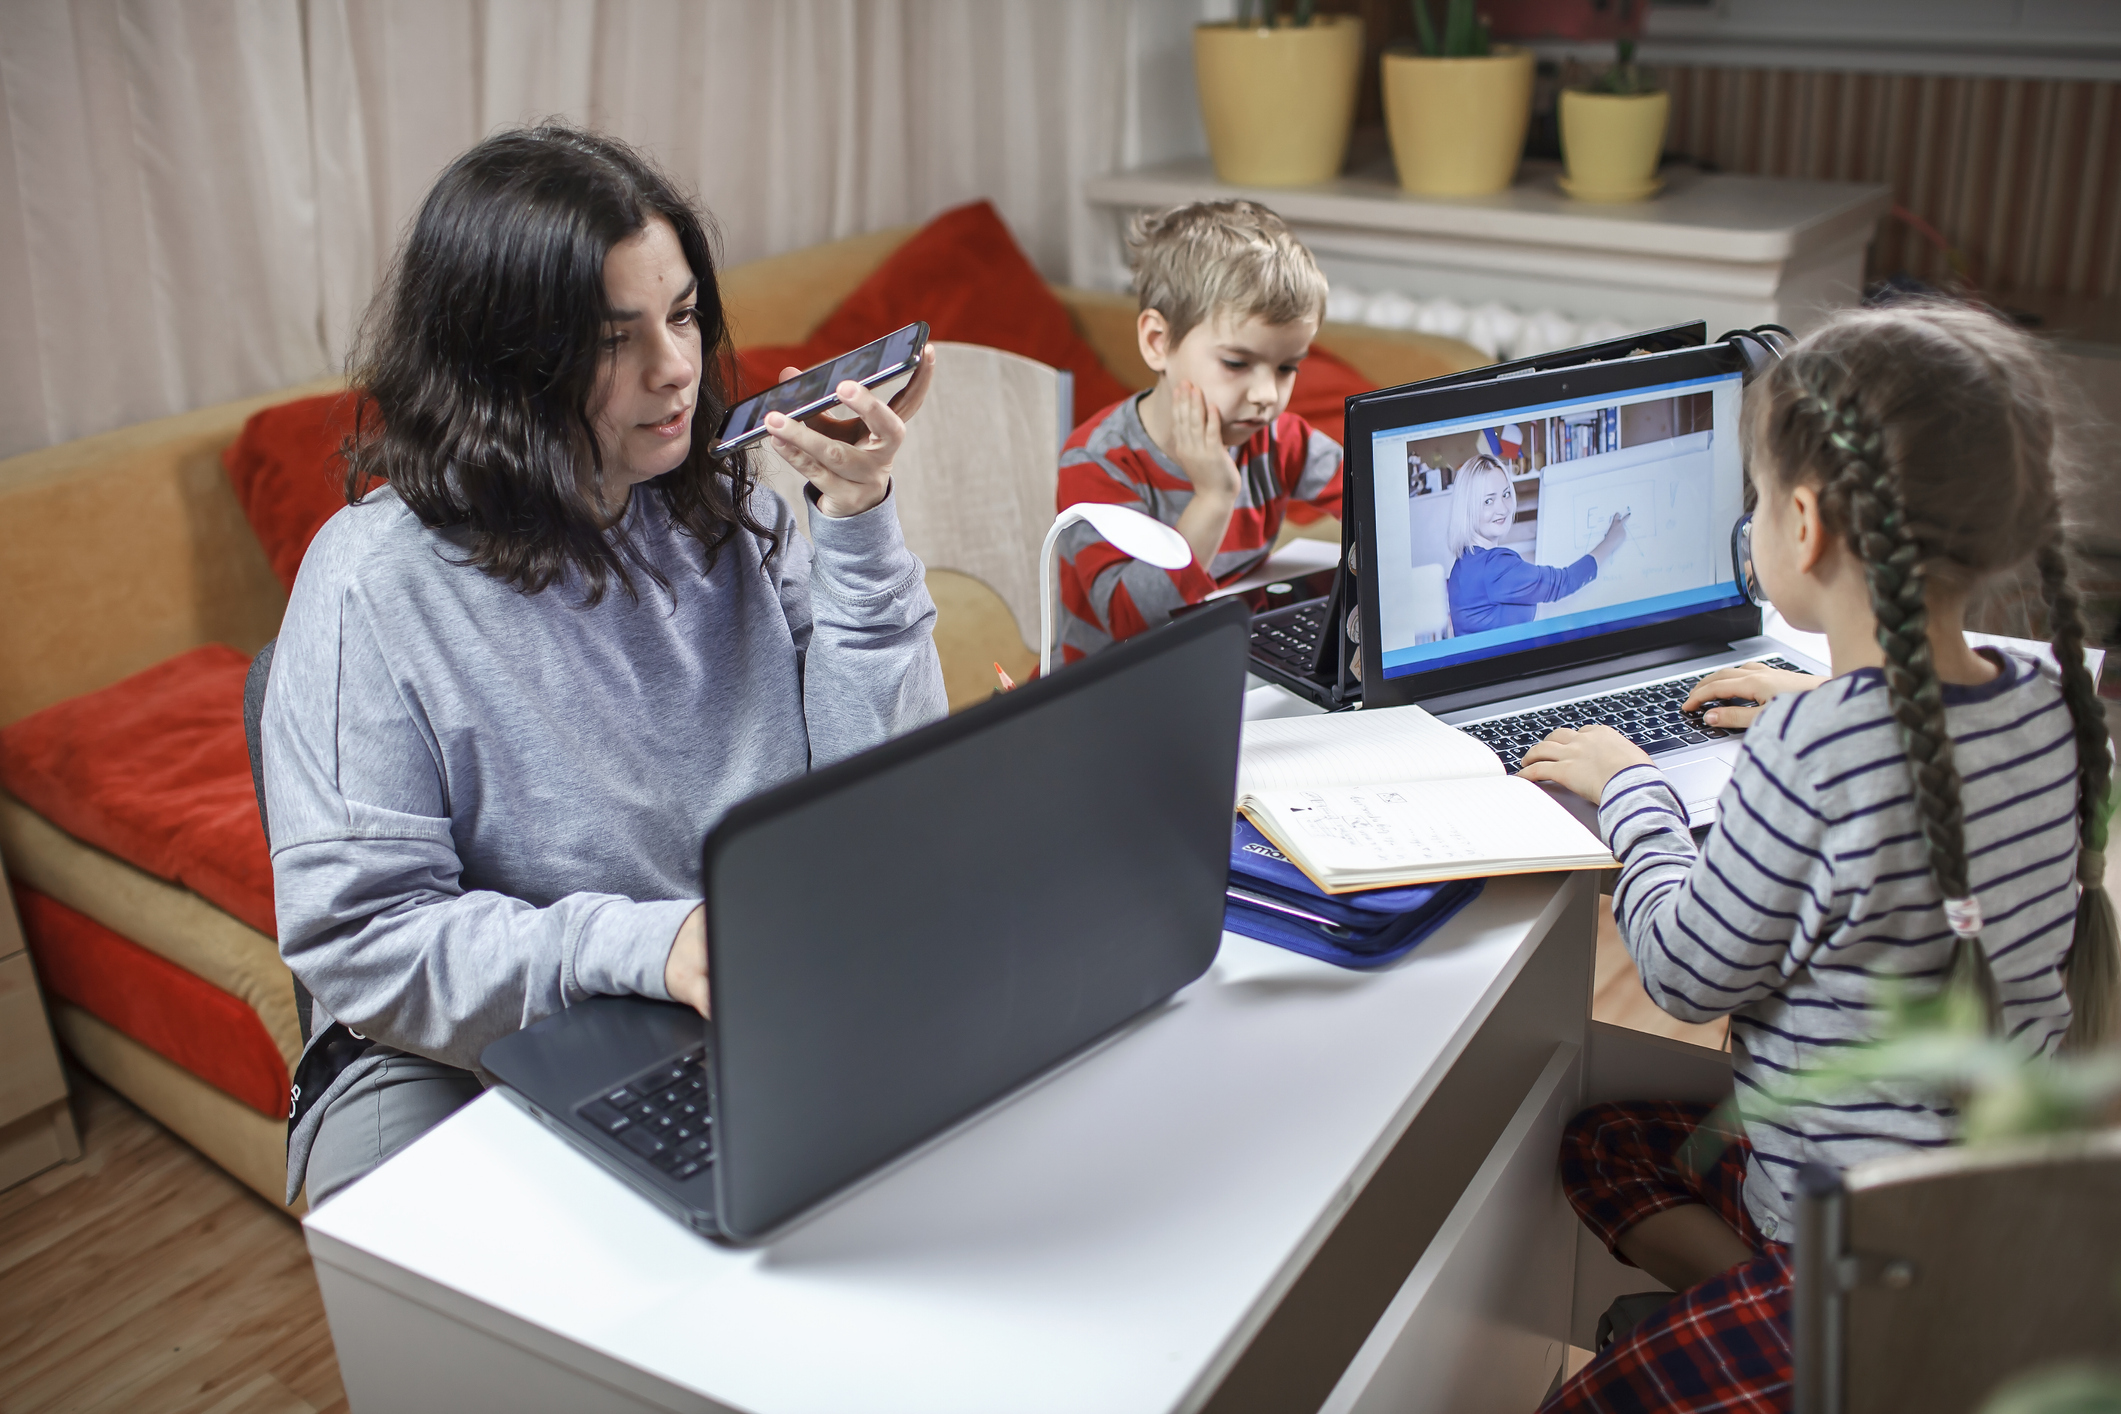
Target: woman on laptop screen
1492 585
552 637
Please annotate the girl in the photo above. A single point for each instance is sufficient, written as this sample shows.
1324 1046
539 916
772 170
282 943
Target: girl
553 638
1493 587
1930 812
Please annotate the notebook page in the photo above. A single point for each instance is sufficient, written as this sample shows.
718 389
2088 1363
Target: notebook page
1357 749
1503 822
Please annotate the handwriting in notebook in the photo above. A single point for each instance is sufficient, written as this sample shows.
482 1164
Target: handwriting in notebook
1376 829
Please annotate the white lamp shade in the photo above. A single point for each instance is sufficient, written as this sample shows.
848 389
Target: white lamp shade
1137 536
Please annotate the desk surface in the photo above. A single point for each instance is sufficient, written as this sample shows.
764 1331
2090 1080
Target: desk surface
1109 1240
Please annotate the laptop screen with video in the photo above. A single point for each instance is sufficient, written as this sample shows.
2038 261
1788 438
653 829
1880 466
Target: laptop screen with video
1589 508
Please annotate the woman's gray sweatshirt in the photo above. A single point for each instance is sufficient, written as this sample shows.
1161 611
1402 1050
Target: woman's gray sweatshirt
486 804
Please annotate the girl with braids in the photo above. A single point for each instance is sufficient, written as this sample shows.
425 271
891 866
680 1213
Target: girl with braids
553 637
1929 816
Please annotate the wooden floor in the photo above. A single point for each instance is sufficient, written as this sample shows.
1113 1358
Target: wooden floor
143 1279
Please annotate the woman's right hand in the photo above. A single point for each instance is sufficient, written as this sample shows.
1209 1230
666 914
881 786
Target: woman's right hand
685 970
1616 535
848 458
1744 689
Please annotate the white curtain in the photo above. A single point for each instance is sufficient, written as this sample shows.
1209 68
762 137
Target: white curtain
200 195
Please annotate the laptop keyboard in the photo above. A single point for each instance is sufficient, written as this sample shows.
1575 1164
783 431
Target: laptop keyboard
1648 715
660 1114
1292 639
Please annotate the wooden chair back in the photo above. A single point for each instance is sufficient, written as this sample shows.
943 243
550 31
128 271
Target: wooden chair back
974 486
1926 1280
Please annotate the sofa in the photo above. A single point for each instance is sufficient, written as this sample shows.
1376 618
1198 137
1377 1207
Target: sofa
143 567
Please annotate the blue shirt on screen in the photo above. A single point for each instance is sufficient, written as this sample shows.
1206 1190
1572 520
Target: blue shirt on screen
1491 587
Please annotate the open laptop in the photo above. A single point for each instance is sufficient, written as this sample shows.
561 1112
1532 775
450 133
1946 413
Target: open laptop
1501 633
1299 626
901 939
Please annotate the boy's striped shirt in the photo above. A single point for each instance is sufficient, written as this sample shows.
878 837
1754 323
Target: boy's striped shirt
1813 896
1106 596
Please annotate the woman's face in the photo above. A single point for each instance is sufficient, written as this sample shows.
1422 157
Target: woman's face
1494 507
652 359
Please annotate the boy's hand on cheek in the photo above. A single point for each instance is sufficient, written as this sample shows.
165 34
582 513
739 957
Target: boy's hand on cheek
1582 761
1197 431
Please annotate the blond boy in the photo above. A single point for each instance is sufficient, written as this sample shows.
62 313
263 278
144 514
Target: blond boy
1230 301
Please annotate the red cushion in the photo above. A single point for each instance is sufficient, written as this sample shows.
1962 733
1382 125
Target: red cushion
1323 386
179 1016
289 476
964 274
154 769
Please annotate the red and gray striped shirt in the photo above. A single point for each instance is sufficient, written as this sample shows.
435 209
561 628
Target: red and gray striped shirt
1812 898
1105 596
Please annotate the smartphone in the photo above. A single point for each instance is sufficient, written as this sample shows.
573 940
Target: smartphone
810 392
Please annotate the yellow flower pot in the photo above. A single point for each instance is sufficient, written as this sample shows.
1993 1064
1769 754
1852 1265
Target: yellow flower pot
1611 143
1278 103
1457 125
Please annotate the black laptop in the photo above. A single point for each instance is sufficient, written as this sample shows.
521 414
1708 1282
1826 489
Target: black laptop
1006 887
1304 629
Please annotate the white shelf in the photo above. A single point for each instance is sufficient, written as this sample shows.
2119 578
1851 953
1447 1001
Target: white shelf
1734 250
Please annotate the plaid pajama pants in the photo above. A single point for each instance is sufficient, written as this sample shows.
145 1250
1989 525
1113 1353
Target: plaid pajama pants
1723 1345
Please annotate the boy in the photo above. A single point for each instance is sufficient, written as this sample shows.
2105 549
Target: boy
1230 301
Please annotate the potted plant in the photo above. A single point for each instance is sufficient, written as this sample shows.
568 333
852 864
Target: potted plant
1457 110
1277 93
1612 133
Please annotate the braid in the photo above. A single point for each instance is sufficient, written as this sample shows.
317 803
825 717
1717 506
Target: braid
1879 532
2090 967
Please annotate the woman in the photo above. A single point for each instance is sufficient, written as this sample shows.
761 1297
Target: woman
1492 587
553 638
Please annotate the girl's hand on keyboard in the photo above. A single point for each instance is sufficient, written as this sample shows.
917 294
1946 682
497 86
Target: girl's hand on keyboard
1582 760
1744 690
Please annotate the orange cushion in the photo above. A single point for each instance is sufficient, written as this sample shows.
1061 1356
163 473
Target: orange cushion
177 1015
154 770
289 476
965 275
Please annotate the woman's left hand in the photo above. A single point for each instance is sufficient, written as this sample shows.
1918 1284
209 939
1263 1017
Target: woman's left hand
848 458
1582 760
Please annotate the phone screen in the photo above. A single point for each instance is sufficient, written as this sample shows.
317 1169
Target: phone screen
810 392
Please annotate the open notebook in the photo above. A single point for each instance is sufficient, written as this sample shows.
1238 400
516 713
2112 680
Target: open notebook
1364 800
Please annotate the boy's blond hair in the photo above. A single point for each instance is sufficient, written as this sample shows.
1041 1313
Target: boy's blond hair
1194 263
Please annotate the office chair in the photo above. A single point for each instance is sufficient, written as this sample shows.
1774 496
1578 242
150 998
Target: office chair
1923 1281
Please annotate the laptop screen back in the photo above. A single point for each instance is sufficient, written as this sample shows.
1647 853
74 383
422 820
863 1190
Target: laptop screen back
1563 513
900 939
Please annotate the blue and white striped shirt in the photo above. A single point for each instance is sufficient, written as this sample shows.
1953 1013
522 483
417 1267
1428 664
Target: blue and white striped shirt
1814 889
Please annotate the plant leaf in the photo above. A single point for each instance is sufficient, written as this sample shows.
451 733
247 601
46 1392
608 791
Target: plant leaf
1425 29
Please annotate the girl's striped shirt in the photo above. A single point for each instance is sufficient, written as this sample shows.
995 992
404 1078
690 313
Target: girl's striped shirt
1812 896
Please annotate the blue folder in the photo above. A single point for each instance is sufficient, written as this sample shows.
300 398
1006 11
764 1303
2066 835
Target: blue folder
1274 901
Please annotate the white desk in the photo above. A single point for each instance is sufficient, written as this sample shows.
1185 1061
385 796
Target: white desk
1210 1211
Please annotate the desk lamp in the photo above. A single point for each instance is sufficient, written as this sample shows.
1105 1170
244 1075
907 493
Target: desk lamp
1133 534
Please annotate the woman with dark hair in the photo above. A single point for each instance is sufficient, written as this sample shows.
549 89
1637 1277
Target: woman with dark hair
553 638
